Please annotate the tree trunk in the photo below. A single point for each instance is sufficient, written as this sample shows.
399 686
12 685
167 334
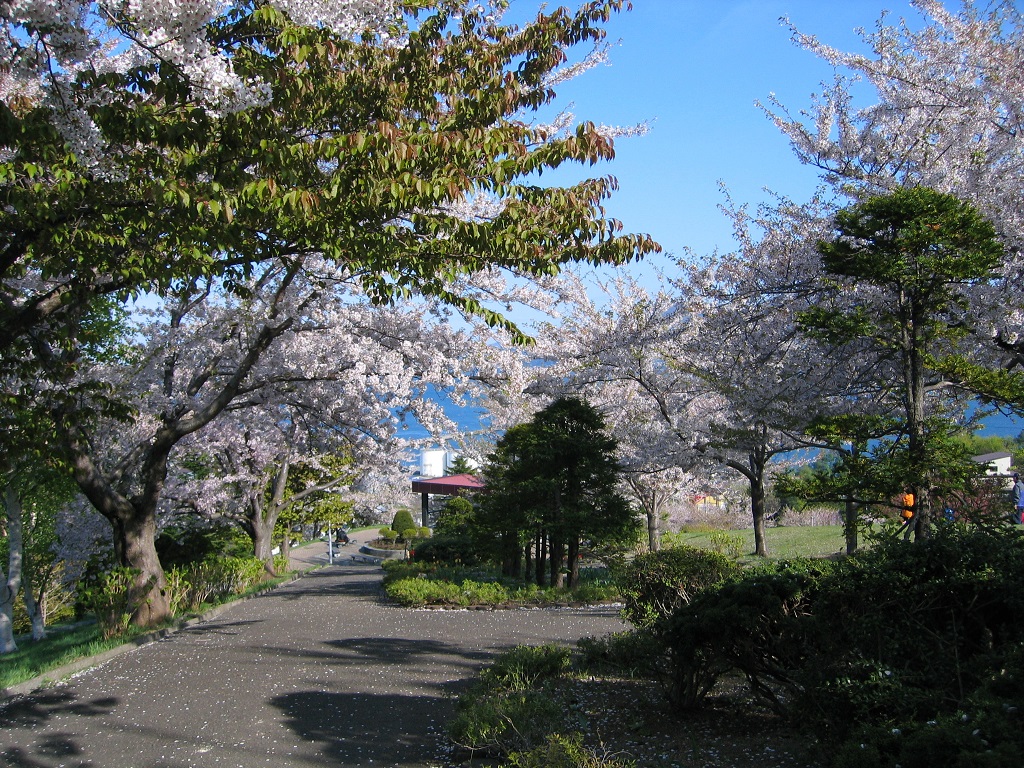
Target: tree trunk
11 582
542 555
574 562
757 508
135 547
32 607
850 526
556 564
653 534
262 532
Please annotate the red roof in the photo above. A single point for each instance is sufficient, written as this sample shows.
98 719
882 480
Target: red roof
452 485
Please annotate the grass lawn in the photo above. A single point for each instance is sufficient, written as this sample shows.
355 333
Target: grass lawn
783 541
61 646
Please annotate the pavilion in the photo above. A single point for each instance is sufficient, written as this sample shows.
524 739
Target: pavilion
450 485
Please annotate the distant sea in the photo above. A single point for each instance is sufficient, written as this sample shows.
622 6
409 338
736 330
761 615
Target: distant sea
998 425
470 418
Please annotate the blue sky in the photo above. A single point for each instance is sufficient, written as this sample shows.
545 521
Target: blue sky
694 69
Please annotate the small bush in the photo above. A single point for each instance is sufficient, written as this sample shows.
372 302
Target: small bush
112 597
634 653
565 752
527 666
454 550
506 709
657 583
728 544
193 585
503 722
388 534
403 521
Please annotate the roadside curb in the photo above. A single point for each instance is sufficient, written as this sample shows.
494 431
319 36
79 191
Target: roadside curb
60 674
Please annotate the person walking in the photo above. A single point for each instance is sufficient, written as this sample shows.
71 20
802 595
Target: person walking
1018 500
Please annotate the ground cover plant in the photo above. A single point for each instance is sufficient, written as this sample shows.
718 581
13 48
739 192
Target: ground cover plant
903 655
416 585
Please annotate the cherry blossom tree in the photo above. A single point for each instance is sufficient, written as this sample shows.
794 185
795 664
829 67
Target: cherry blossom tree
947 117
303 363
168 147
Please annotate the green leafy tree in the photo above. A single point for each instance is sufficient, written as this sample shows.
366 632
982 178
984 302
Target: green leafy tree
912 249
403 522
455 517
560 475
462 466
412 164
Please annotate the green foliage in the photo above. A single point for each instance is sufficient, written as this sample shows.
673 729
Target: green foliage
506 709
564 752
112 597
635 653
403 521
725 543
655 584
388 534
181 545
901 655
527 666
455 517
196 584
555 478
417 584
453 550
916 248
503 722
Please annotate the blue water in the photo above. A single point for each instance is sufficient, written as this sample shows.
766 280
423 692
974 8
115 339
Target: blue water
998 425
473 419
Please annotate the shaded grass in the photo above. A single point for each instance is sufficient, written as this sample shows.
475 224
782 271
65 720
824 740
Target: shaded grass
61 646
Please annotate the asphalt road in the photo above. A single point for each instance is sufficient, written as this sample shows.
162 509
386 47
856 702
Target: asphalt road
319 672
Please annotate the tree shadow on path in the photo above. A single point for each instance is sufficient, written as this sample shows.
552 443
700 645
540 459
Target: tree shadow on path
368 729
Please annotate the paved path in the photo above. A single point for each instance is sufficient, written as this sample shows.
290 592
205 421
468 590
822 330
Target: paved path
318 672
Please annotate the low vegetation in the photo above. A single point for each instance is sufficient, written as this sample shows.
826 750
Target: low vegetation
902 655
416 585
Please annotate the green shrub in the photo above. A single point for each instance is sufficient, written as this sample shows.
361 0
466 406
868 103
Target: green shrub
112 596
280 564
185 544
455 516
410 534
728 544
560 751
193 585
506 708
454 550
388 534
403 521
657 583
634 653
527 666
751 624
503 722
906 654
415 593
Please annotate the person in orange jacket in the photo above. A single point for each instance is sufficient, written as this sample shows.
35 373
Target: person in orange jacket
907 513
